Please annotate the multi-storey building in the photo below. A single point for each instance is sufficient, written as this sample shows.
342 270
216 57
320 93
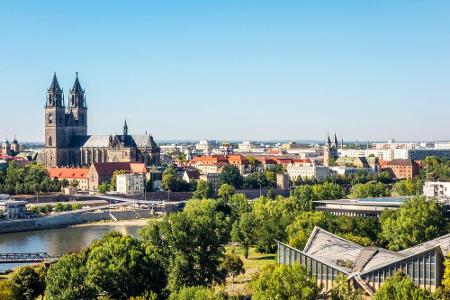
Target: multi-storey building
130 184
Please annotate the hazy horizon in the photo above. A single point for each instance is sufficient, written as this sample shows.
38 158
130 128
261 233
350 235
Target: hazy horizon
232 70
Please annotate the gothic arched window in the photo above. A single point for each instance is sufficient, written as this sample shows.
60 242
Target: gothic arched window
50 119
49 141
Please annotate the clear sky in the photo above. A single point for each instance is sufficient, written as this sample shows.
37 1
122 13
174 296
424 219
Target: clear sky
232 69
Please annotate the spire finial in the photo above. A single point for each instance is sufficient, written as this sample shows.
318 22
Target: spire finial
76 74
125 127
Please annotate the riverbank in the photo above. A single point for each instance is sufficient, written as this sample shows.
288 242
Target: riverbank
134 222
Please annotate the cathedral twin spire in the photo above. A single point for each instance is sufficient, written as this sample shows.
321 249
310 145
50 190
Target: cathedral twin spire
55 96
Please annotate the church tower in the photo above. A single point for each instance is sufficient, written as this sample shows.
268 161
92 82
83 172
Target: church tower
55 124
77 109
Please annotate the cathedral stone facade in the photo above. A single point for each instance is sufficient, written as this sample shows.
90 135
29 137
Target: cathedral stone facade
68 144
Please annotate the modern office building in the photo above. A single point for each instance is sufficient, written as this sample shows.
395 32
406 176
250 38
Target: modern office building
326 255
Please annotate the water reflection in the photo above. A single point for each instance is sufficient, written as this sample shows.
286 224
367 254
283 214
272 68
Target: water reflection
58 241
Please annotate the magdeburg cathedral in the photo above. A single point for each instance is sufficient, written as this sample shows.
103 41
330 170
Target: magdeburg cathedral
68 144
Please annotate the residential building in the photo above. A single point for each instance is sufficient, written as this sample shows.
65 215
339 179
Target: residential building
79 174
212 178
130 184
442 145
191 175
326 255
307 171
436 189
204 147
103 172
402 168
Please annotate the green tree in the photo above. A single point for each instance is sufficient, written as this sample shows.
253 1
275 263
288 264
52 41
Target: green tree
26 284
65 183
238 203
196 293
328 190
284 282
344 290
416 221
300 230
6 290
74 183
272 217
103 187
304 195
230 175
67 279
370 189
243 232
204 190
118 265
226 191
400 286
190 244
233 265
76 206
58 207
408 187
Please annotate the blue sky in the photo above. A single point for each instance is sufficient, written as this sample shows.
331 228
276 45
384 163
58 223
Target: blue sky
232 69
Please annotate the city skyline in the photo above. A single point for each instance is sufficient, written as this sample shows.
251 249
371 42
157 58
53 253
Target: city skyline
233 71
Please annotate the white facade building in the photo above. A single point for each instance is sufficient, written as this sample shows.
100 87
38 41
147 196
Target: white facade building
442 145
130 184
204 146
307 170
436 189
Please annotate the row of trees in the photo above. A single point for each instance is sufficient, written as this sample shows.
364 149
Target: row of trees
26 179
59 207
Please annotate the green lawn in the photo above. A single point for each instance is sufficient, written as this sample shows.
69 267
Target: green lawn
254 263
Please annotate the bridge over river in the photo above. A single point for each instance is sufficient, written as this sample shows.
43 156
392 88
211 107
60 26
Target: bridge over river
32 257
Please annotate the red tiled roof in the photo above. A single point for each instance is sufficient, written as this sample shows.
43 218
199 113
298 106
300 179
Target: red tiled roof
68 173
400 162
108 168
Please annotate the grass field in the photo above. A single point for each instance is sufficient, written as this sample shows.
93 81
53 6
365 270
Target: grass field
254 263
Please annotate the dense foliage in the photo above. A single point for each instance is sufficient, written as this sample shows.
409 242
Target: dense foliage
190 244
230 175
284 282
30 178
436 169
416 221
400 286
204 190
117 265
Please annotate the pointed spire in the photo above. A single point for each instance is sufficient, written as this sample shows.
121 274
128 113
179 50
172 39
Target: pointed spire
335 139
54 86
77 97
125 127
329 140
54 94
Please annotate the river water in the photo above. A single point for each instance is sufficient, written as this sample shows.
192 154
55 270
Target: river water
58 241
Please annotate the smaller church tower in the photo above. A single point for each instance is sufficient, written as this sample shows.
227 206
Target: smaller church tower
330 150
